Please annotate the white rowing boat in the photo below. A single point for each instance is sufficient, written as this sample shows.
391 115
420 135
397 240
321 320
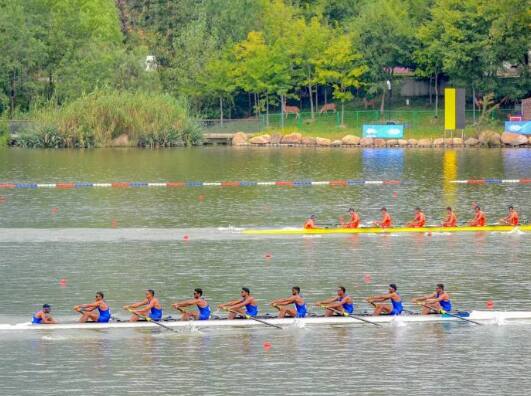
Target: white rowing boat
481 316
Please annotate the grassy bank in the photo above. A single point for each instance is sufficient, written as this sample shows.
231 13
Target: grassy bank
103 119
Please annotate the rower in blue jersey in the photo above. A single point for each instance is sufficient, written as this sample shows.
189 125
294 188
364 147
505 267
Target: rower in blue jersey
299 309
97 311
203 309
436 302
43 316
151 308
338 304
395 308
236 307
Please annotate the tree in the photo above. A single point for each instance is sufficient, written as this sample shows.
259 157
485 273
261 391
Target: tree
218 81
341 66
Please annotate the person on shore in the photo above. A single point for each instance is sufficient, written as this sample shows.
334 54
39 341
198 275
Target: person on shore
354 219
385 221
451 218
338 305
435 302
236 307
283 305
419 220
203 309
310 223
97 311
152 308
479 220
43 316
511 218
395 308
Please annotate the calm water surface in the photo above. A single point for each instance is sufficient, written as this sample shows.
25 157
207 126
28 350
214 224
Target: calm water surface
49 235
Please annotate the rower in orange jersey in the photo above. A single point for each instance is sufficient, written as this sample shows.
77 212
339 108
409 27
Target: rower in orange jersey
451 218
386 221
310 223
479 220
419 220
511 218
354 219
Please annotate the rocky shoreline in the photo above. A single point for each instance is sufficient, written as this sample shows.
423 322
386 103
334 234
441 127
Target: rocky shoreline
484 139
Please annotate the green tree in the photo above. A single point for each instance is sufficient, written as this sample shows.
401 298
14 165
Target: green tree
218 80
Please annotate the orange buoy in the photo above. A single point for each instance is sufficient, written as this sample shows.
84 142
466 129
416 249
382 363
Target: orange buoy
490 304
267 346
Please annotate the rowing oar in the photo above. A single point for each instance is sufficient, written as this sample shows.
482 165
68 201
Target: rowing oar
350 315
148 319
443 312
252 318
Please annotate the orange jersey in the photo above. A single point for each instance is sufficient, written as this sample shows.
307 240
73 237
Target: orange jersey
386 221
450 221
513 218
480 220
309 224
420 220
354 221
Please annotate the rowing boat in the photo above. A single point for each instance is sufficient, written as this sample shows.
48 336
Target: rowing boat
482 316
378 230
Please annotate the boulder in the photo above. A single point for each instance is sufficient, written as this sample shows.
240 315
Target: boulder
513 139
350 140
412 142
365 142
457 141
308 141
322 141
291 138
336 143
261 139
471 142
424 142
276 138
392 142
402 142
239 139
120 141
489 138
379 142
439 142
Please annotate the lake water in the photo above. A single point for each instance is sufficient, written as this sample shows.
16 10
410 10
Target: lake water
122 241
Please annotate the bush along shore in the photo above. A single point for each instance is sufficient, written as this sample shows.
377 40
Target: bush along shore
106 119
485 138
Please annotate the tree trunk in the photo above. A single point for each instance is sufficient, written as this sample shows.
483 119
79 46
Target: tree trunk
282 104
250 104
382 103
267 109
316 98
342 113
310 94
429 90
473 105
221 110
13 96
436 86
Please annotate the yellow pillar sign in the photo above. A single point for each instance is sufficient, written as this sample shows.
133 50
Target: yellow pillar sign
454 109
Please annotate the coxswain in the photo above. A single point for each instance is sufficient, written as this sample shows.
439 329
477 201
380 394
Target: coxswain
310 223
436 302
339 304
419 220
385 221
97 311
203 309
395 308
236 307
151 308
511 218
43 316
283 305
354 219
479 219
451 218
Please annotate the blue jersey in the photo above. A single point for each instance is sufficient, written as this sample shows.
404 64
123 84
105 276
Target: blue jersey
35 319
105 315
204 312
347 307
251 310
155 314
397 307
445 304
301 310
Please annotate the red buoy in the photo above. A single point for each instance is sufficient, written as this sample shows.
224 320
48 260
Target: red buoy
267 346
490 304
186 237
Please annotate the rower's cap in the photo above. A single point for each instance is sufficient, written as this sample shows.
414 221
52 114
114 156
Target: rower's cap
351 210
312 217
46 306
393 286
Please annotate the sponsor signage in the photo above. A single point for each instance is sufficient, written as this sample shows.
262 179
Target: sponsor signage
521 127
395 131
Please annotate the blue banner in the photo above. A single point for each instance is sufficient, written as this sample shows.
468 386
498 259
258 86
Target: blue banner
383 131
521 127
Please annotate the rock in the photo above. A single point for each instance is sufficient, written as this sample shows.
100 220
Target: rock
366 142
489 138
471 142
350 140
379 142
457 141
424 142
121 141
262 139
439 142
336 143
412 142
291 138
392 142
323 141
276 138
513 139
402 142
239 139
308 140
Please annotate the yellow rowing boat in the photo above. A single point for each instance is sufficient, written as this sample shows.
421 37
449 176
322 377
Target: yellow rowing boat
377 230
